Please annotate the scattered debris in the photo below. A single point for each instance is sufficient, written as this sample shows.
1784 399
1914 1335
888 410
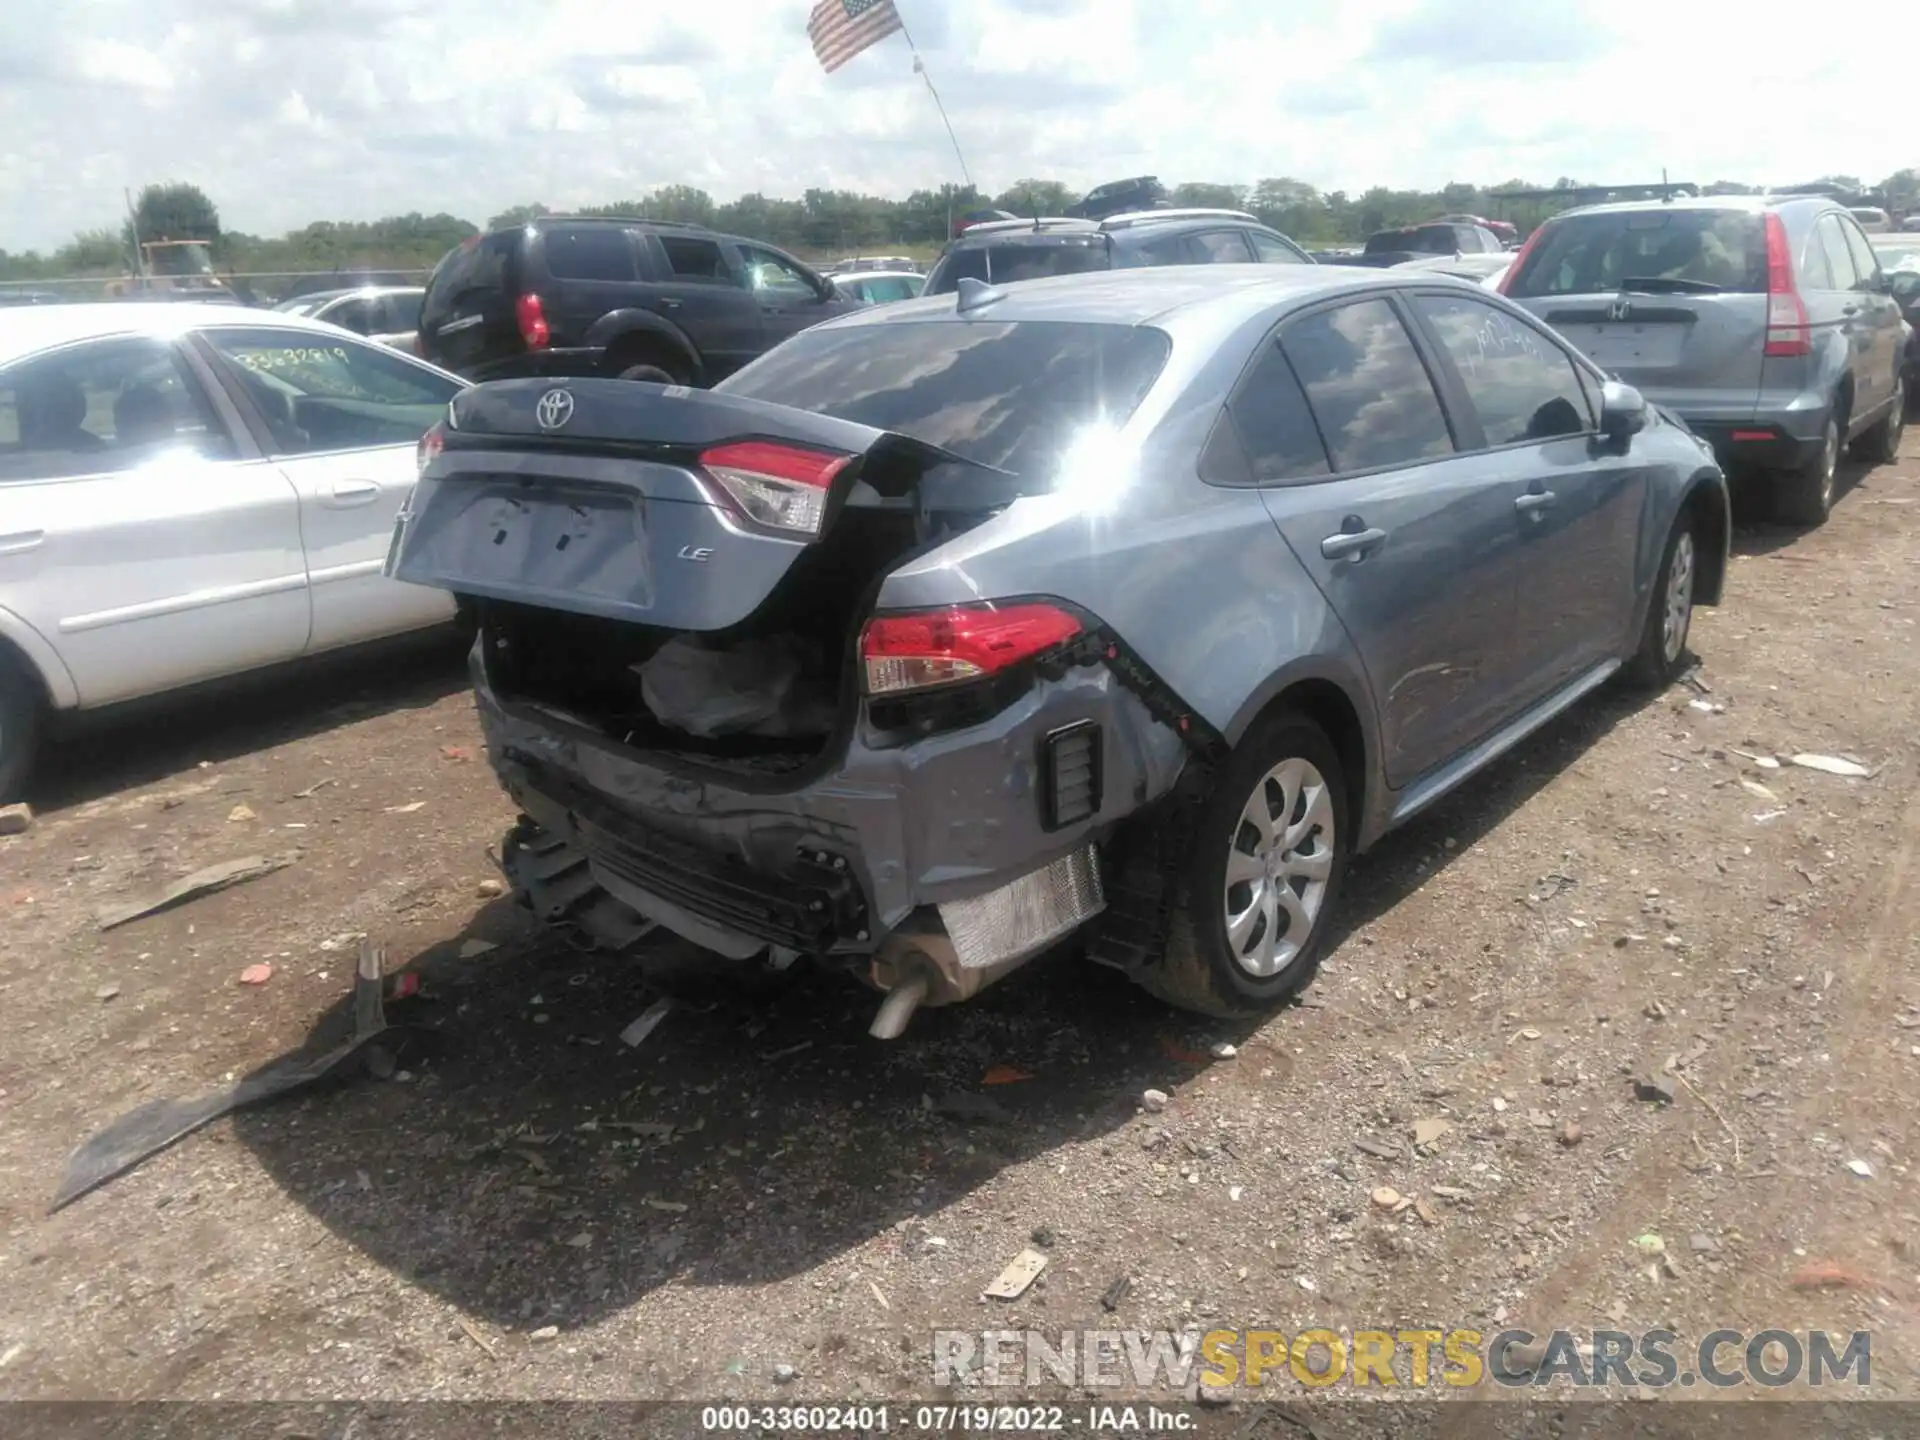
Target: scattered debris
1428 1215
1571 1134
1861 1168
648 1021
1004 1075
201 882
1379 1149
406 809
880 1296
1831 765
1765 762
1043 1236
475 948
1702 1243
671 1207
1827 1275
1655 1010
784 1051
784 1374
456 752
257 974
312 790
473 1334
1551 886
240 814
106 992
1221 1050
1153 1101
490 889
16 819
545 1332
1111 1297
1758 791
1385 1197
1654 1090
1021 1271
1430 1131
1650 1244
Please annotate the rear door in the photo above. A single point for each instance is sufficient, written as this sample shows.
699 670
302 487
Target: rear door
698 291
467 318
790 298
1219 247
1672 301
139 534
1879 313
1579 509
586 271
1835 307
1413 544
341 419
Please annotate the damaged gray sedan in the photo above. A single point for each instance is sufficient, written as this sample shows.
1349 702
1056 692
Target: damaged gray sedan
1129 605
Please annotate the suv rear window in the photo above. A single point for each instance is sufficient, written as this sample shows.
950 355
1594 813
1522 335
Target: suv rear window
1681 251
1014 395
482 263
1008 260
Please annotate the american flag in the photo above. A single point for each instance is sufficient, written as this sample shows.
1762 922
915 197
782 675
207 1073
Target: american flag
841 29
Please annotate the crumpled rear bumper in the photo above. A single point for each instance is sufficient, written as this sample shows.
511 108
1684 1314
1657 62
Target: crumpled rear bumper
836 865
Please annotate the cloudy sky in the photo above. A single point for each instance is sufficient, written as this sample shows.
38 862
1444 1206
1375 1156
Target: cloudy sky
286 111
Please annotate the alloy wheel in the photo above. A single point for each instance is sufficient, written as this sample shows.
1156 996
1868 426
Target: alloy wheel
1677 615
1280 861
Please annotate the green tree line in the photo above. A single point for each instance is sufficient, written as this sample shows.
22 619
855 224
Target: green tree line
819 224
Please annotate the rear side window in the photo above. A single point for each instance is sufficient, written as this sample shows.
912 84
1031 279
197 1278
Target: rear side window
1005 262
1015 395
1220 247
1865 262
691 259
102 408
1276 430
1271 251
597 252
1833 245
1368 388
1681 252
1523 387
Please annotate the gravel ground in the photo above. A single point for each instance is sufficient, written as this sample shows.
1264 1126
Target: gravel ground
1629 897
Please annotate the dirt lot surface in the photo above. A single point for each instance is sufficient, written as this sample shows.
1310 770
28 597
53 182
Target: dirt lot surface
1627 898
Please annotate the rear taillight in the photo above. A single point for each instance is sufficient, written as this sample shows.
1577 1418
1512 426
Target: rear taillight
962 642
1519 261
430 446
1787 329
783 487
532 316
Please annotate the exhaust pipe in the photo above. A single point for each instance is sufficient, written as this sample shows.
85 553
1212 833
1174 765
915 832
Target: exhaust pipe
890 1021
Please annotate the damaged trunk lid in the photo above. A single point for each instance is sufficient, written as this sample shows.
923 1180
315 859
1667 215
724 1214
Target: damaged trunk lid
645 504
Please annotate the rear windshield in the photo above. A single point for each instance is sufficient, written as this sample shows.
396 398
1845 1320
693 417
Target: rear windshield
481 263
1433 238
1680 251
1005 261
1013 395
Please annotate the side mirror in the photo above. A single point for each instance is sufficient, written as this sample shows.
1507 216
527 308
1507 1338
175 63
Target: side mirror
1623 412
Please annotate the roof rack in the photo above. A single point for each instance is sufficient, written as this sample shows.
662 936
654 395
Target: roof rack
1138 217
1038 222
613 220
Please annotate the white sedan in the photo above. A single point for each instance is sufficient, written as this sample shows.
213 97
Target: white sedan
191 491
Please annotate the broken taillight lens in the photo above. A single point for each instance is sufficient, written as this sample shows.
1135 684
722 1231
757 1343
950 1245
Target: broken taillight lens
961 642
783 487
430 446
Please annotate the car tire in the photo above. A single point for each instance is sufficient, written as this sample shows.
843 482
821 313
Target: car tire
20 725
1881 445
654 374
1662 654
1805 496
1227 954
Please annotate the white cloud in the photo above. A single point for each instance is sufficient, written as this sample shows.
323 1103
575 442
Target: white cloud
287 111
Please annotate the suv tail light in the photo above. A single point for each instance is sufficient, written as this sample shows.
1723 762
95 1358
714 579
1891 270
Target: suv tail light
962 642
1787 329
532 316
1520 260
783 487
430 446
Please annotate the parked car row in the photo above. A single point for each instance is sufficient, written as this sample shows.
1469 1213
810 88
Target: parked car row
1125 584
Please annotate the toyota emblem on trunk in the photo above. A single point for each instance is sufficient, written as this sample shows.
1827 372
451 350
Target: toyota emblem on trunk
554 409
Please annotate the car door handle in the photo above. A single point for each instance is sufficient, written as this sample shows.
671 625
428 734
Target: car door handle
669 304
22 541
347 493
1536 500
1351 542
770 310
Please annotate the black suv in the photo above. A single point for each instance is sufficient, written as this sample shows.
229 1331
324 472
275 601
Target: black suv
634 299
1028 249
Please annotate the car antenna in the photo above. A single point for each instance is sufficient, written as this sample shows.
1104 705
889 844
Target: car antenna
1034 206
971 295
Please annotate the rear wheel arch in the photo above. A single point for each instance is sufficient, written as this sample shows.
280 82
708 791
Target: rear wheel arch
1328 704
24 705
1710 508
637 337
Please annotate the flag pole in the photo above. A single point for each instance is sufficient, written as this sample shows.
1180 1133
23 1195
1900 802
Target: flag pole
920 69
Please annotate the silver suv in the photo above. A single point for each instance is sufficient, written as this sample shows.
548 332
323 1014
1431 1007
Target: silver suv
1132 604
1763 322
